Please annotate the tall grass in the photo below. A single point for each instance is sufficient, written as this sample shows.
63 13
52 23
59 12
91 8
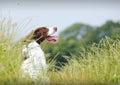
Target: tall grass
98 65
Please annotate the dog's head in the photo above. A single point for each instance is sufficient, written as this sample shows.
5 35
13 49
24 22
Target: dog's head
42 33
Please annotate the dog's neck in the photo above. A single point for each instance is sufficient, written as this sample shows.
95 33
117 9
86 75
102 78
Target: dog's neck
32 44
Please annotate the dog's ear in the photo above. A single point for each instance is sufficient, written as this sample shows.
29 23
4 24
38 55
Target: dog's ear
37 33
29 36
40 32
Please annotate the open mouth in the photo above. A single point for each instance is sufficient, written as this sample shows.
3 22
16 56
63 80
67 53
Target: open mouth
52 38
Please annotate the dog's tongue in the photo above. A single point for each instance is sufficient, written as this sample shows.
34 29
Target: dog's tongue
52 38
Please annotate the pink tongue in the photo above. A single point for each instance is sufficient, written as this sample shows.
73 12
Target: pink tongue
52 38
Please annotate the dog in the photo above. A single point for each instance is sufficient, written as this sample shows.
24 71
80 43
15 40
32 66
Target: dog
34 63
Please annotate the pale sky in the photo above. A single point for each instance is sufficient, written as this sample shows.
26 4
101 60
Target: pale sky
60 13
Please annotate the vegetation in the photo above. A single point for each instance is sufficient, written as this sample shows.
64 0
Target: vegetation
92 59
99 65
78 36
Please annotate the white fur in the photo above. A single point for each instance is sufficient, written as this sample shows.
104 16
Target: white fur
51 31
35 64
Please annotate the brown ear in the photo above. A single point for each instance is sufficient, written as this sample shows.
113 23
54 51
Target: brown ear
29 36
37 33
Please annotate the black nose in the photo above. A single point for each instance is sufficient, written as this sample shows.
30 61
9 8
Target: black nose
55 28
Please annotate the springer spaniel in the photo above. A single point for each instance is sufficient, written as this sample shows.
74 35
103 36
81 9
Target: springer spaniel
34 64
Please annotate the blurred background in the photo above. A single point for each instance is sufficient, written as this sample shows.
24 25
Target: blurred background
80 22
60 13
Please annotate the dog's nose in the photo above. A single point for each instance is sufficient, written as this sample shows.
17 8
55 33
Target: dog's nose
55 28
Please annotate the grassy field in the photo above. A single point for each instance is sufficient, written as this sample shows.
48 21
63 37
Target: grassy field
98 65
